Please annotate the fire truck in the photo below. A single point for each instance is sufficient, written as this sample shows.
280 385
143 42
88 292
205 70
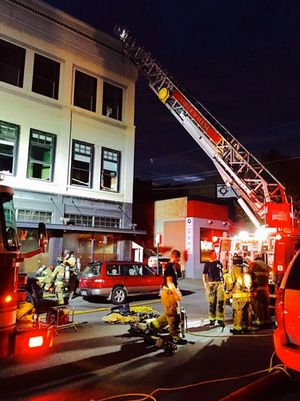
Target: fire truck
262 197
17 337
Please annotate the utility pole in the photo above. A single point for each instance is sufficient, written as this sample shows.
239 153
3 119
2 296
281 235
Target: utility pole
158 242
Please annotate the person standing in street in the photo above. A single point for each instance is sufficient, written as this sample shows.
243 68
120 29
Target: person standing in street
70 261
260 292
58 277
213 283
239 280
170 297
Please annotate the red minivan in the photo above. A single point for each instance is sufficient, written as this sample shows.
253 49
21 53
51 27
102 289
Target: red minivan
287 310
117 280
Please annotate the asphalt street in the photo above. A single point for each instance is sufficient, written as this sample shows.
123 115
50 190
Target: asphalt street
97 361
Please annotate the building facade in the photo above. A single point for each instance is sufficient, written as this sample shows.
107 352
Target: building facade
67 130
192 226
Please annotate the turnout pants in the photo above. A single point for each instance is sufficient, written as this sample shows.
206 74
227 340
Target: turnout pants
171 316
260 303
242 311
215 297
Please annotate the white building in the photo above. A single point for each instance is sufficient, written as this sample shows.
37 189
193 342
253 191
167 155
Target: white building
67 130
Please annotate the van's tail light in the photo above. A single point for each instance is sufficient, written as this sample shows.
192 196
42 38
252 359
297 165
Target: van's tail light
279 309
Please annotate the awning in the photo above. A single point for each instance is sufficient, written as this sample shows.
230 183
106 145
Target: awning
82 229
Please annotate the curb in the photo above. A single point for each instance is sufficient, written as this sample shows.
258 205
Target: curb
257 389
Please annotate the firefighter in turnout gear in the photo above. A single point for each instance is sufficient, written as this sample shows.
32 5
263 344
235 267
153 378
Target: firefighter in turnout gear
44 275
213 282
58 277
239 280
70 261
170 297
260 292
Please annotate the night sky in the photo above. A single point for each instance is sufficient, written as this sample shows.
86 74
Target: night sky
239 58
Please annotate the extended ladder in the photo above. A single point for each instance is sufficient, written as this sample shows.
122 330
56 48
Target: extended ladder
254 185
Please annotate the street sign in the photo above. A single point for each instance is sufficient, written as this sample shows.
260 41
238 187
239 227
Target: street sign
223 191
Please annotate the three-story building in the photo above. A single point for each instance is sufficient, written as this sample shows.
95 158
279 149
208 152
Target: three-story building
67 130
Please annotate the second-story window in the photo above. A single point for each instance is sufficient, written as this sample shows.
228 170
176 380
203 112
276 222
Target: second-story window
85 91
41 155
9 135
45 76
12 61
82 164
112 101
110 170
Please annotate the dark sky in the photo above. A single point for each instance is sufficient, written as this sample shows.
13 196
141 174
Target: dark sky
239 58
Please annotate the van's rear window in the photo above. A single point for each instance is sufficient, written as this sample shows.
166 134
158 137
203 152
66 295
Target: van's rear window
293 281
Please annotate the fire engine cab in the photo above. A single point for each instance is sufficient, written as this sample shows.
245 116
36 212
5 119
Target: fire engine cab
17 336
262 197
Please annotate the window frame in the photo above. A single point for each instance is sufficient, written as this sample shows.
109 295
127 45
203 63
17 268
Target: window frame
91 164
36 161
15 144
107 98
82 93
118 163
17 61
38 77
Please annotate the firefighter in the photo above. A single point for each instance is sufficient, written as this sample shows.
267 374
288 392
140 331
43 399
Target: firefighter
44 275
260 292
239 280
213 283
71 262
170 297
58 278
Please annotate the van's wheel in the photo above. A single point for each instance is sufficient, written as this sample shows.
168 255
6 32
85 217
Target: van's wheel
118 295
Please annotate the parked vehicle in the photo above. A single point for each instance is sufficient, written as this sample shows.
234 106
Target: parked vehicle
117 280
287 311
163 260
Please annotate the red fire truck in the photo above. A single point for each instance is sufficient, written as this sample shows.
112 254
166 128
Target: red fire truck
17 337
259 193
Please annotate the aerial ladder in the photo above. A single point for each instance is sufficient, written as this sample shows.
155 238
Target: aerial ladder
259 193
255 187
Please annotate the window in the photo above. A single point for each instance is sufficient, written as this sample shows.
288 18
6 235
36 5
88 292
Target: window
110 222
112 101
110 170
12 61
113 270
45 76
293 280
85 91
9 135
79 220
92 221
82 164
11 240
41 155
34 215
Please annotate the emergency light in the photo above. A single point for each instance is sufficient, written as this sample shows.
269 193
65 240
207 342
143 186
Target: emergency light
8 299
34 342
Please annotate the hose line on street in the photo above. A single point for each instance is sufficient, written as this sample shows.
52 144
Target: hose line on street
150 396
